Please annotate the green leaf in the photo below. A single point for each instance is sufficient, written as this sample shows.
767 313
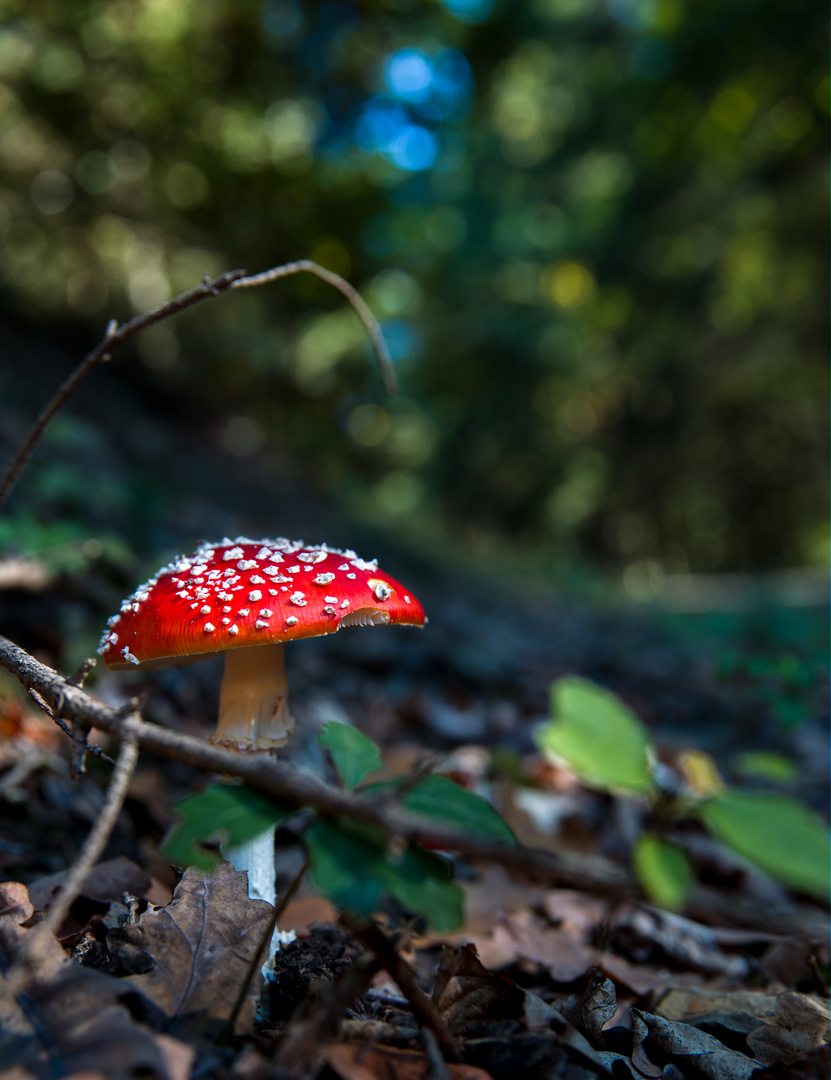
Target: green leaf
779 834
442 798
234 814
663 871
351 864
597 736
766 765
353 754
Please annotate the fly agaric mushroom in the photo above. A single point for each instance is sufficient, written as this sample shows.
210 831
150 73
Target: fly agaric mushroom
246 598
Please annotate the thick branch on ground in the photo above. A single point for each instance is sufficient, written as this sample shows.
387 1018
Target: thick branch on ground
291 785
298 788
234 279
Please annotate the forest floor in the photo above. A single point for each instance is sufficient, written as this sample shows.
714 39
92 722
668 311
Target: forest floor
541 981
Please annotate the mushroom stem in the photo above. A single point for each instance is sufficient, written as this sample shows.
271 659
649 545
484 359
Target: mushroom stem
254 715
257 857
253 700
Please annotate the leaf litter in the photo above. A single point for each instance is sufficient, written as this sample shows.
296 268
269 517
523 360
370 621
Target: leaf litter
537 983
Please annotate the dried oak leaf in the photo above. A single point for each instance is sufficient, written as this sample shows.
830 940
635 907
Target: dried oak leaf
198 948
467 995
800 1024
70 1019
710 1057
779 1027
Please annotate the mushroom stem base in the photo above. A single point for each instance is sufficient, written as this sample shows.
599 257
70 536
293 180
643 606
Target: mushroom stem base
253 700
257 857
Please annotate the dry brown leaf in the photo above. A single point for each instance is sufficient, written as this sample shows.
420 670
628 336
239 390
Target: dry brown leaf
596 1005
711 1058
73 1021
737 1010
306 910
352 1062
200 946
104 883
779 1027
466 994
566 955
800 1024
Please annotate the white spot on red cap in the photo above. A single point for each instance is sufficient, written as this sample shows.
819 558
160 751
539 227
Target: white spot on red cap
255 579
330 599
209 628
260 624
243 611
247 564
323 579
292 620
311 556
266 613
263 553
380 589
255 594
344 603
232 553
205 609
298 599
233 629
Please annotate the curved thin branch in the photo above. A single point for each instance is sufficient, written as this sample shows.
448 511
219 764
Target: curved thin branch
116 335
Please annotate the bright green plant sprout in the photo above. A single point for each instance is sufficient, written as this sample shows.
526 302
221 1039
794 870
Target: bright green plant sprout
594 733
778 833
354 756
597 736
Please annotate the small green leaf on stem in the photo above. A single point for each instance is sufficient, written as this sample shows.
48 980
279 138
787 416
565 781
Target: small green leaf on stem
597 736
353 866
663 871
234 814
442 798
354 755
779 834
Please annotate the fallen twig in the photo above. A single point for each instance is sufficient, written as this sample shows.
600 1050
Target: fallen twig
89 856
294 786
373 938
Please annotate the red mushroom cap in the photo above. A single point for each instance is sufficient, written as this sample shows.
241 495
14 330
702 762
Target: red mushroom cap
239 593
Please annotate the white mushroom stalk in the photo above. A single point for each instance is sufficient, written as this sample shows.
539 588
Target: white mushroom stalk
254 715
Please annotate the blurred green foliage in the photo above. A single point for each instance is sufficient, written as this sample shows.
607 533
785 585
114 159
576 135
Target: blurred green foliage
595 734
592 229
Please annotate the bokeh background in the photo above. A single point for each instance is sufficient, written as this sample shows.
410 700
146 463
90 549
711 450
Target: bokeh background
594 232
